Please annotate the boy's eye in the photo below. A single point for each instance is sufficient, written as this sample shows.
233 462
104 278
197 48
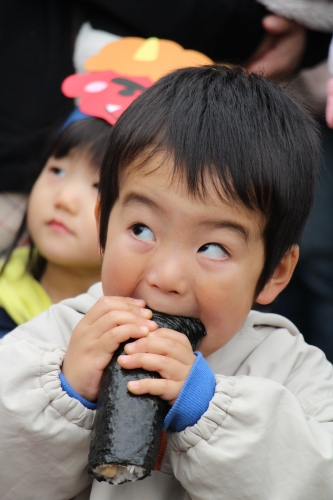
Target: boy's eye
213 251
58 171
143 232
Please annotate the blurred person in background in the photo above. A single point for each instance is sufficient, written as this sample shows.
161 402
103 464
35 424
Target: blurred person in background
308 299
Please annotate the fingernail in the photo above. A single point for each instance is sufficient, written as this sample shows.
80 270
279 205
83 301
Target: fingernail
130 346
133 383
124 357
145 312
144 329
150 322
138 301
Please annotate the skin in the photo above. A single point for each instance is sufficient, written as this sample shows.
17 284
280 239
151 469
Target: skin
62 225
329 105
181 256
281 51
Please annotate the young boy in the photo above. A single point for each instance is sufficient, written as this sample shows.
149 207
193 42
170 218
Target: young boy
204 192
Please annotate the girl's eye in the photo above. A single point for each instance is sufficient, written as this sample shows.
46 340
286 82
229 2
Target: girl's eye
58 171
96 185
213 251
143 232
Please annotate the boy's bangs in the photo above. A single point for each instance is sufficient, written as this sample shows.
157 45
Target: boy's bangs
202 159
200 178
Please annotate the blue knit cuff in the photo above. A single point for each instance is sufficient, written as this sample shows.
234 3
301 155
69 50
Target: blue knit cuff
194 398
67 388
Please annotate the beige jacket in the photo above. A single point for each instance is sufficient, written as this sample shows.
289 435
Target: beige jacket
267 434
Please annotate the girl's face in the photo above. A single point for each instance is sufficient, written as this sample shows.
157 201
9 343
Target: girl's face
61 219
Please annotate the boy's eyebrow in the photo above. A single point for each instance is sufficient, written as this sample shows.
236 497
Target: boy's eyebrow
138 198
226 224
213 224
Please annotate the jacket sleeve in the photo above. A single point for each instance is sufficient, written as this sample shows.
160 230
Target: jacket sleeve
44 433
257 441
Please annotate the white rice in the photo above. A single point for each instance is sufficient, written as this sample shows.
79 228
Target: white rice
124 473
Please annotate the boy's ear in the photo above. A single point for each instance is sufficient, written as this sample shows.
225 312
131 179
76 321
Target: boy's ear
97 212
280 278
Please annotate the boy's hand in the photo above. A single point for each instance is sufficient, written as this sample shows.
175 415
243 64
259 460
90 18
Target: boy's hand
109 322
164 351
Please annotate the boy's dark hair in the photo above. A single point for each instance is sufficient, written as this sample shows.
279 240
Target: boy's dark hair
87 137
254 140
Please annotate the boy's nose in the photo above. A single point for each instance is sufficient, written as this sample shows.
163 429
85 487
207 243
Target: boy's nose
168 274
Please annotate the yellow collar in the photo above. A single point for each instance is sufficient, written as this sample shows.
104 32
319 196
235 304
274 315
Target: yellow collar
20 294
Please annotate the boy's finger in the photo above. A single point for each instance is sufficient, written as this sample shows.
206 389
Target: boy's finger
165 389
167 367
107 304
163 346
108 322
110 341
111 319
179 337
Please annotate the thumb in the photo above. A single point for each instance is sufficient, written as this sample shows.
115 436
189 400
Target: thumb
276 25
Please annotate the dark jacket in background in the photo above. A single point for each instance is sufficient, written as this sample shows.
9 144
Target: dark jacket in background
37 39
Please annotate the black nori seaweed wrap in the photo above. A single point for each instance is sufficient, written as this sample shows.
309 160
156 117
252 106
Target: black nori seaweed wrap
127 428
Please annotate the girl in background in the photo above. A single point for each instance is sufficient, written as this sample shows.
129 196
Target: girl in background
61 259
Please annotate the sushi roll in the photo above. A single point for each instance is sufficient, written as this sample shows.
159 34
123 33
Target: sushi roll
127 431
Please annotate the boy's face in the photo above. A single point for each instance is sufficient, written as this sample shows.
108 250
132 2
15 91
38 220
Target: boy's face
182 255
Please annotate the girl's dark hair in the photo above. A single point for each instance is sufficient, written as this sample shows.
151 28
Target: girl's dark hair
86 137
254 140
